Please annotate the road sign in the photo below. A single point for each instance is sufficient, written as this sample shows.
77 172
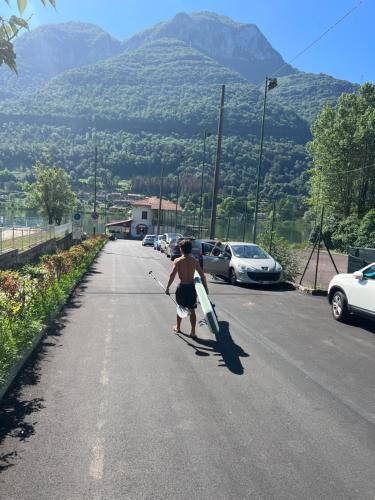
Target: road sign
94 215
77 216
77 233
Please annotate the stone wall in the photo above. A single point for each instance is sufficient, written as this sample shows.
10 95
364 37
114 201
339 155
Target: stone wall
14 258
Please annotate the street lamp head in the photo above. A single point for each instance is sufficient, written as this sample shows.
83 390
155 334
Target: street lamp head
271 83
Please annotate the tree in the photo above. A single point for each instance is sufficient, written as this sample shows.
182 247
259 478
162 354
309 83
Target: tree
9 29
51 193
343 150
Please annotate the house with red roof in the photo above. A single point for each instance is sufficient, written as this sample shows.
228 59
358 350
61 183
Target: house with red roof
145 212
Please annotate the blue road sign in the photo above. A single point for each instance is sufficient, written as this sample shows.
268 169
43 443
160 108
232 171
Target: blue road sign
77 216
94 215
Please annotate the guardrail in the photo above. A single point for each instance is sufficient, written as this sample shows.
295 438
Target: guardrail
12 238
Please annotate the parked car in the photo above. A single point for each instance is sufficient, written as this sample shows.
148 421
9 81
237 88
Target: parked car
167 237
243 263
157 242
148 240
173 249
353 294
202 248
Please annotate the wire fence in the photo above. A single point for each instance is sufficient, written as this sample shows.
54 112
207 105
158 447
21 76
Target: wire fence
21 238
239 228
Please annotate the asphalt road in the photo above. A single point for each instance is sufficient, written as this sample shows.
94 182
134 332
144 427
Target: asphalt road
116 406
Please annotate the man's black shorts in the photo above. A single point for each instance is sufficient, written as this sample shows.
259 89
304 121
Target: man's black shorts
186 296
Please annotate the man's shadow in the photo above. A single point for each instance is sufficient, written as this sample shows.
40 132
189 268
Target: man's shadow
223 346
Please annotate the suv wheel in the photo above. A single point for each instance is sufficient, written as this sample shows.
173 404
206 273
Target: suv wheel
232 277
339 306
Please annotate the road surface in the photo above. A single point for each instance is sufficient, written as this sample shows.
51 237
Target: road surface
116 406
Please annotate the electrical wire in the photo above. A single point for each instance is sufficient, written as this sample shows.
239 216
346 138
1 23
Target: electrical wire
314 42
346 171
310 45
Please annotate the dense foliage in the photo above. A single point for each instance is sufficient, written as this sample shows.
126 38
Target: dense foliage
30 297
151 105
340 233
343 151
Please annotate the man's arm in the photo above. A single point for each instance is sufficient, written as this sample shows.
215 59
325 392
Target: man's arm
201 274
171 277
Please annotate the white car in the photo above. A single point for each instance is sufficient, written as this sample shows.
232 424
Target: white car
243 263
353 294
148 240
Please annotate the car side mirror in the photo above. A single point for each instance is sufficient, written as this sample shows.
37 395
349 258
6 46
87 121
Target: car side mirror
358 275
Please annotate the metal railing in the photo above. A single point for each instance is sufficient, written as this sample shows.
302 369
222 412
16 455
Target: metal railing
13 238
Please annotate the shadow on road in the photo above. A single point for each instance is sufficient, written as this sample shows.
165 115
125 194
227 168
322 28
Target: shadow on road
279 287
223 346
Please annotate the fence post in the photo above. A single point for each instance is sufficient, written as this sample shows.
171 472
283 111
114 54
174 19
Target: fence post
1 240
13 237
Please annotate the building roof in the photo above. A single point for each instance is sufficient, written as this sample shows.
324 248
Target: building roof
153 203
120 223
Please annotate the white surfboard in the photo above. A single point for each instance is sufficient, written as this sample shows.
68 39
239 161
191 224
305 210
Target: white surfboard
206 305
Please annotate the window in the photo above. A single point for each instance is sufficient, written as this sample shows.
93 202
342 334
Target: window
144 215
370 273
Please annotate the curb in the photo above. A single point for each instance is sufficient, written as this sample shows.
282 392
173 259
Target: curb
310 291
28 351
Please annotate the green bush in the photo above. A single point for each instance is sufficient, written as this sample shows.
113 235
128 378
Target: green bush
282 252
30 297
345 233
366 231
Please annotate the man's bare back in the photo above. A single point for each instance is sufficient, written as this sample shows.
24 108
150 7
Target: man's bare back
186 267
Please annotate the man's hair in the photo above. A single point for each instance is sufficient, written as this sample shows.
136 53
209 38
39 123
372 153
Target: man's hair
185 246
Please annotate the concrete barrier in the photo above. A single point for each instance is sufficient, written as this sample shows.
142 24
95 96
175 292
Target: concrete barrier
16 258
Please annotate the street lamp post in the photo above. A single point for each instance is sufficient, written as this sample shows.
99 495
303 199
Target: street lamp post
200 222
270 84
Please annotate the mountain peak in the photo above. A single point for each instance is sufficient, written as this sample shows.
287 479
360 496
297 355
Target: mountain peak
239 46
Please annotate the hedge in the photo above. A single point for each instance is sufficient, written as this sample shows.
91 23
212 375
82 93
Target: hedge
32 296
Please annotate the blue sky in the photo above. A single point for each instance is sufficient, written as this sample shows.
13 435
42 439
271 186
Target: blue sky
347 52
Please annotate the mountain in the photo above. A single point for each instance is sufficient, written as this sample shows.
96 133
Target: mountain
307 93
238 46
150 100
50 50
163 86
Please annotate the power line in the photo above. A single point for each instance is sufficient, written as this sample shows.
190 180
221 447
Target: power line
347 171
322 35
311 44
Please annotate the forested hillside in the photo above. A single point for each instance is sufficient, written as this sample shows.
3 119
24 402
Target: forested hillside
152 100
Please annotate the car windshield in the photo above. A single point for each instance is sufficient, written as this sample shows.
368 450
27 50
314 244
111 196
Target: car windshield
249 252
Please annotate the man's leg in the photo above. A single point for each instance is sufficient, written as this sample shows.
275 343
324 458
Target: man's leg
177 328
193 322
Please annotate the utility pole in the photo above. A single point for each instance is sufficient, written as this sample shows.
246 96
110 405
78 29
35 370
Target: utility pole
217 166
270 84
177 196
200 221
160 198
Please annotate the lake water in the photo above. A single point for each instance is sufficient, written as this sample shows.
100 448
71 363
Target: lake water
297 231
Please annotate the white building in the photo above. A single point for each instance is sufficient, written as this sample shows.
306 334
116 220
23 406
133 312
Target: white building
145 215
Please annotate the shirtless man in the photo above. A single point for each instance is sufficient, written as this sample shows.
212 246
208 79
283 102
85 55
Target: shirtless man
186 296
